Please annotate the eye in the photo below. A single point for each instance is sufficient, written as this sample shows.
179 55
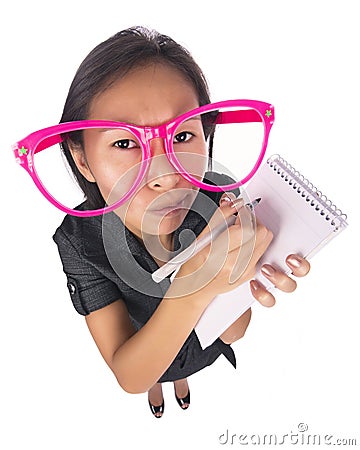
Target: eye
184 136
125 144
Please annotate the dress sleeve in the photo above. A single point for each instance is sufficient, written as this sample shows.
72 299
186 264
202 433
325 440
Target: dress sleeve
89 289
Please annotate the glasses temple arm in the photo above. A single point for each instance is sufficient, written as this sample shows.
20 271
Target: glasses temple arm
48 142
249 115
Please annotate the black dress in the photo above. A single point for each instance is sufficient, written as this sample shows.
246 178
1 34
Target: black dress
104 262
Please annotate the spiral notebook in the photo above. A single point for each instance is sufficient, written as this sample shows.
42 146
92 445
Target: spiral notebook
302 220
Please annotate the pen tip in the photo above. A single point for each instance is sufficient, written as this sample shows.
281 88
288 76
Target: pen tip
258 200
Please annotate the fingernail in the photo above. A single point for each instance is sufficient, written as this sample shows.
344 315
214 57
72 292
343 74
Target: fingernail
268 270
294 260
254 284
237 203
224 200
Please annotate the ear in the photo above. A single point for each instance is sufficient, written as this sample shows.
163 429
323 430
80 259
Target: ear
79 158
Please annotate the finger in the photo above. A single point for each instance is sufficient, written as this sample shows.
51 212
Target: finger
249 253
228 207
224 241
261 294
279 279
223 232
299 265
227 197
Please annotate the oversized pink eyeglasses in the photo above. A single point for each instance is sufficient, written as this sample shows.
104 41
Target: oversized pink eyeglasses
231 135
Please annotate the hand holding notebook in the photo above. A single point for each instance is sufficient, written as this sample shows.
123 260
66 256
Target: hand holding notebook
302 220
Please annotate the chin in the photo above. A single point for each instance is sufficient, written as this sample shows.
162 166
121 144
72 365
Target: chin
166 224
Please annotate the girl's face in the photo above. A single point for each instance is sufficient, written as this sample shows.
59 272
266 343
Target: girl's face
147 96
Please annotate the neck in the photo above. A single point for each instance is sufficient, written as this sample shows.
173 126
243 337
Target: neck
159 247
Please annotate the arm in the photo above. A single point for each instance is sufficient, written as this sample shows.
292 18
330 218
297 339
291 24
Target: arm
139 359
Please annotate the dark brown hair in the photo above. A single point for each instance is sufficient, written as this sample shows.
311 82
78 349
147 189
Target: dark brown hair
113 59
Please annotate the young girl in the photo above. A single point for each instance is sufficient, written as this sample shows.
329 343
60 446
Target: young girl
144 330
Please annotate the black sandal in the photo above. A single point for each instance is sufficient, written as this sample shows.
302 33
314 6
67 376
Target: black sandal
183 400
157 409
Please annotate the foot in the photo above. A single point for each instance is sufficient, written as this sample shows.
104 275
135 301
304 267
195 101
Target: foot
156 400
182 393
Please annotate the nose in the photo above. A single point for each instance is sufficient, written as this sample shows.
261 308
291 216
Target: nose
161 176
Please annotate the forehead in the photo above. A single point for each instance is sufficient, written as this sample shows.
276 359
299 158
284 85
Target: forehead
149 95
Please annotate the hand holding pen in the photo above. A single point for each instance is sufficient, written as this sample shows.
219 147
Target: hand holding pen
196 246
206 275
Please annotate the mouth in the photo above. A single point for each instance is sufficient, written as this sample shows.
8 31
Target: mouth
173 208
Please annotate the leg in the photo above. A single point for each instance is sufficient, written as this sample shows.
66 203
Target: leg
182 392
237 330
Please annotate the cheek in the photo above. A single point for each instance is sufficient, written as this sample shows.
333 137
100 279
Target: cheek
132 212
135 217
114 179
194 159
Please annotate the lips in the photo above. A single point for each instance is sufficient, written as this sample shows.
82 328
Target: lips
174 206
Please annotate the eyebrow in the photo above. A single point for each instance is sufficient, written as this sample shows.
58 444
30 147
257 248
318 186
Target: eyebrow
192 118
114 128
197 118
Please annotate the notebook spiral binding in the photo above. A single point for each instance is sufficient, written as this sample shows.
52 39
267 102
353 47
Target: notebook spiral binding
308 191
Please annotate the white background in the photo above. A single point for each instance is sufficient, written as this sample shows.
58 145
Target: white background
299 360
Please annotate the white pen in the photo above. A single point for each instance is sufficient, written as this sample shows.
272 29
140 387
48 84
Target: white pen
196 246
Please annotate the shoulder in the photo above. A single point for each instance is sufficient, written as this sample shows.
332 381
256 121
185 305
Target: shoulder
70 229
74 230
91 281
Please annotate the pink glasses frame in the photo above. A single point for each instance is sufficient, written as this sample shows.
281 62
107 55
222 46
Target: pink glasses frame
37 141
